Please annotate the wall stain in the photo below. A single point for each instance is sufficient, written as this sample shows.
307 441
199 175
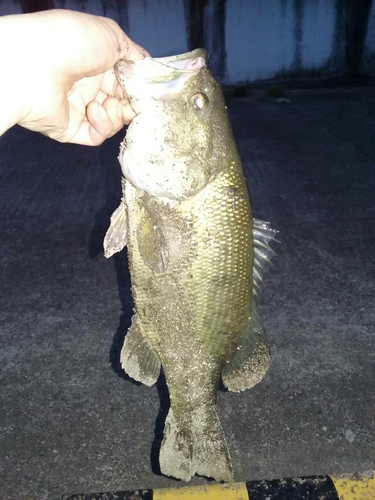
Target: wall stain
298 7
218 51
357 14
206 28
194 19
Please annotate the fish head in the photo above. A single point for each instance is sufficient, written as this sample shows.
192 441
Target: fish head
175 145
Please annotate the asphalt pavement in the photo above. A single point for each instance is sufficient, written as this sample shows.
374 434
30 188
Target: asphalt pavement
73 422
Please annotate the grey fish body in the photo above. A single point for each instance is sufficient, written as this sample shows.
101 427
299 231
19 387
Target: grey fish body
191 254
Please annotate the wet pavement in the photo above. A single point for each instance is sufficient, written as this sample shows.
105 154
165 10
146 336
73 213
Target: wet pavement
72 422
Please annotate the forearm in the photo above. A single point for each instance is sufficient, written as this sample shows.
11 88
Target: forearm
9 114
12 73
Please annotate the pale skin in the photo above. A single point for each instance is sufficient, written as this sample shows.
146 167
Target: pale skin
57 75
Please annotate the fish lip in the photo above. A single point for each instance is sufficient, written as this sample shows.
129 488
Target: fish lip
161 69
171 60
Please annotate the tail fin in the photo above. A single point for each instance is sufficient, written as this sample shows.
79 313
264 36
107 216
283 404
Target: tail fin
195 444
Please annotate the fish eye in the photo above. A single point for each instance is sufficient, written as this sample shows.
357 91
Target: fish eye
199 101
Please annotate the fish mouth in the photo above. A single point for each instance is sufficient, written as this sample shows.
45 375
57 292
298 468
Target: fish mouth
162 69
190 61
159 76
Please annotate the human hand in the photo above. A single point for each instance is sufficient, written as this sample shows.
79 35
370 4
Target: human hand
59 78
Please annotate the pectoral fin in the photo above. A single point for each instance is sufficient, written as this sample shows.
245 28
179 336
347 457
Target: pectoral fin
252 359
152 243
138 358
115 238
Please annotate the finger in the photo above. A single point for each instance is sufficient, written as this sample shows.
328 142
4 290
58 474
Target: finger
100 97
86 135
99 119
110 84
127 112
90 130
113 107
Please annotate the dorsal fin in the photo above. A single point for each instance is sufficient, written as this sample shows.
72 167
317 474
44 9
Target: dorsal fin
263 253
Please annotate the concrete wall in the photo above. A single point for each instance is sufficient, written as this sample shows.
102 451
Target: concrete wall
369 53
266 39
247 39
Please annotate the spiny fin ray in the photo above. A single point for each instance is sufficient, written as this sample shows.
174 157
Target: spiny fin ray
263 253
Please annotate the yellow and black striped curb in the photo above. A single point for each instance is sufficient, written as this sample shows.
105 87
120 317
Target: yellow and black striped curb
304 488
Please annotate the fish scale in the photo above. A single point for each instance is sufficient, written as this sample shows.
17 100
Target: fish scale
222 271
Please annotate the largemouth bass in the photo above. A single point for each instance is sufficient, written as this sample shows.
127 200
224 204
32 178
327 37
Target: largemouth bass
195 255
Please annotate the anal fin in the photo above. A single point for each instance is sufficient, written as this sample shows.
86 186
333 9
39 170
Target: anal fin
251 360
138 358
